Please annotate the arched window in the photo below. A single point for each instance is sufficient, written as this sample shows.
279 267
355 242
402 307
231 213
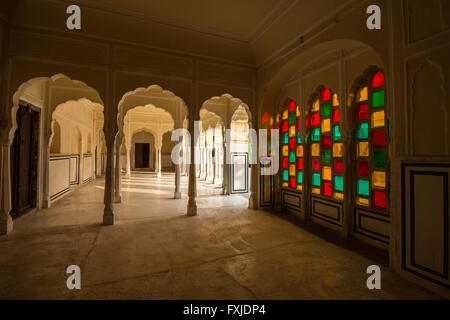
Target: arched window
291 148
55 146
327 151
372 143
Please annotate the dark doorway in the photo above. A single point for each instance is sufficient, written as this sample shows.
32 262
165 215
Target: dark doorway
24 160
142 155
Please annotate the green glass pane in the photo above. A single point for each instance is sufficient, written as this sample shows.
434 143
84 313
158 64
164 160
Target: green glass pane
379 159
300 177
292 118
286 138
326 157
292 156
285 175
316 135
299 139
378 99
363 131
326 110
389 128
316 179
337 133
306 137
363 188
339 183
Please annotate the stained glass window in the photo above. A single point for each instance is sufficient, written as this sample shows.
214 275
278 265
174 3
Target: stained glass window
372 136
327 151
292 148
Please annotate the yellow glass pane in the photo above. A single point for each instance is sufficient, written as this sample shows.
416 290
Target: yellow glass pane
291 131
297 111
299 151
338 150
363 202
316 190
315 150
278 117
299 187
378 119
362 95
271 121
379 179
285 151
338 196
363 149
292 170
326 125
335 100
326 173
316 106
285 114
285 185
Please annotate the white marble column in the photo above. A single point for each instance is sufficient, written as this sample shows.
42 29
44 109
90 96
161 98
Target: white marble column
225 169
192 187
6 223
177 194
108 212
117 176
128 162
159 163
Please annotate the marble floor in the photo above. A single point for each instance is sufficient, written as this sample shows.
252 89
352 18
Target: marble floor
154 251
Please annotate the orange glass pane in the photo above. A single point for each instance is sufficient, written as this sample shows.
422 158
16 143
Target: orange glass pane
378 119
362 95
285 151
326 173
299 187
326 125
297 112
363 149
335 100
315 150
316 190
338 196
316 106
363 202
379 179
299 151
292 170
338 150
285 114
292 131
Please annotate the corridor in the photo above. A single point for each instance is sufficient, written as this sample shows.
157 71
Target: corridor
226 252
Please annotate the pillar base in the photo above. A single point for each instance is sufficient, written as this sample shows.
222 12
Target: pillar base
252 202
117 198
158 175
192 210
177 195
108 217
6 226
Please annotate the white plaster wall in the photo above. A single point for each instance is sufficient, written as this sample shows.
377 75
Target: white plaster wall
58 175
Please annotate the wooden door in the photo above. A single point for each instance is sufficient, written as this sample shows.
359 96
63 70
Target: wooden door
141 155
24 160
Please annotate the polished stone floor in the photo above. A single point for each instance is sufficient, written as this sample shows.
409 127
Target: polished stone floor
154 251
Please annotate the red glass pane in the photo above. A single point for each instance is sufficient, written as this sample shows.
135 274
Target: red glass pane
278 127
292 144
315 119
325 95
285 126
307 123
298 124
336 117
338 166
327 189
326 141
285 163
377 80
379 139
292 183
379 199
264 118
292 106
300 164
316 165
363 112
363 168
